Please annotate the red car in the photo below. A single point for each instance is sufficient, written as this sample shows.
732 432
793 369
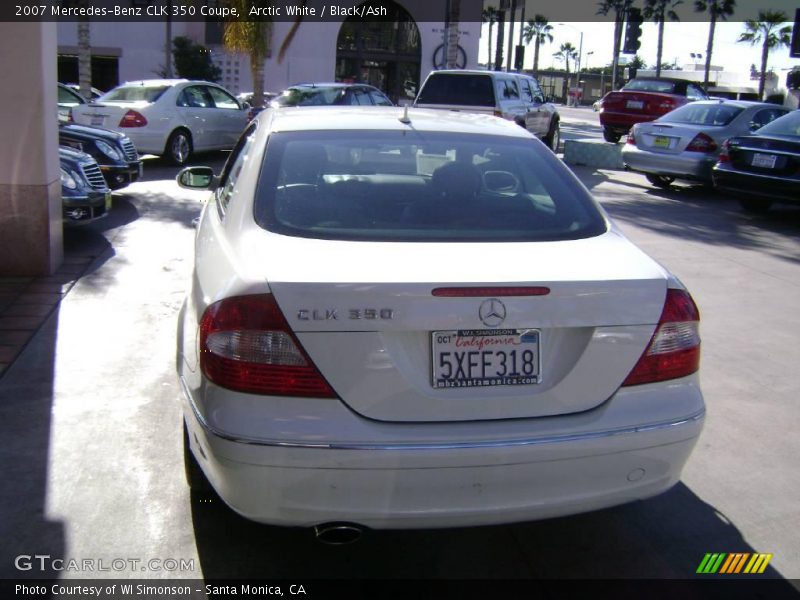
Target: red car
644 99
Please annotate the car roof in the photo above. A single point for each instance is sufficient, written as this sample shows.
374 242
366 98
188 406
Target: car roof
157 82
378 118
670 79
476 72
331 84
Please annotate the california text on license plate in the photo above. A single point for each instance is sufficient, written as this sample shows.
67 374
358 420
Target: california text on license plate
486 357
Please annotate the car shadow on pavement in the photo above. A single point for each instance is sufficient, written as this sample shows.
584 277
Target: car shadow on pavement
692 214
664 537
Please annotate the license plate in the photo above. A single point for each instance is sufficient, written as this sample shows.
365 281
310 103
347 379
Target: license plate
108 201
485 357
98 120
635 104
661 142
765 161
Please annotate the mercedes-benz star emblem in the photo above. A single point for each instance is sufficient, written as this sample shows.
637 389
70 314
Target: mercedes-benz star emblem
492 312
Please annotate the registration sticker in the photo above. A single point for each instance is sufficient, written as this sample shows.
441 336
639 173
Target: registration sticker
486 357
765 161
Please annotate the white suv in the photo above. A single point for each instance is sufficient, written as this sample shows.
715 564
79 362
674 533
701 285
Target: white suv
511 96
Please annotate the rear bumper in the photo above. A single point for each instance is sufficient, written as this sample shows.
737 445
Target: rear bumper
751 185
694 166
622 122
470 481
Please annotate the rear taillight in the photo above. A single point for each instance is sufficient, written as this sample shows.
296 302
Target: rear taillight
631 140
674 349
498 113
724 156
246 345
133 119
667 105
702 143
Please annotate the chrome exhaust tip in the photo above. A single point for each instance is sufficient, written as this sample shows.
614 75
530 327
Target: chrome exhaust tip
338 534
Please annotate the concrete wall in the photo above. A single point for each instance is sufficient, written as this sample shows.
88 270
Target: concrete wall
30 183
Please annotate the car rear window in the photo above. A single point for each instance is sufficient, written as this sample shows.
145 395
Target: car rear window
317 96
134 93
650 85
468 90
420 186
788 125
703 114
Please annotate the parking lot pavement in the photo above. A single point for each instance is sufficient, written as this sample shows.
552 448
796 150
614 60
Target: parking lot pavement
90 418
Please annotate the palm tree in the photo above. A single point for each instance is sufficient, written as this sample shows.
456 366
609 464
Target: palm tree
718 10
537 29
766 29
659 11
255 40
452 34
489 16
566 53
84 54
620 8
501 32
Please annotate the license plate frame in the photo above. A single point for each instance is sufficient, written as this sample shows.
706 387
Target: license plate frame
485 358
98 120
637 104
763 161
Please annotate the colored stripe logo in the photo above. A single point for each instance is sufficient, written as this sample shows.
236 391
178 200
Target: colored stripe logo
734 563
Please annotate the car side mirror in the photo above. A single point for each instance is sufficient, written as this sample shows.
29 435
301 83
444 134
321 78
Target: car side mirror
196 178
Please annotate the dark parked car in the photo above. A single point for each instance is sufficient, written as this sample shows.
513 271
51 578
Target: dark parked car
644 99
337 94
511 96
114 152
85 196
764 167
67 100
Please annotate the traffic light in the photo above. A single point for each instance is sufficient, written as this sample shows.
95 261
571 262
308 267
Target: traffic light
633 31
794 48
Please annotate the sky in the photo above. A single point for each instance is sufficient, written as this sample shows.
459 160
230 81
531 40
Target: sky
680 40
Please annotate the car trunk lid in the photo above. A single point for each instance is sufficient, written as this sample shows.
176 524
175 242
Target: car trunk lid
376 329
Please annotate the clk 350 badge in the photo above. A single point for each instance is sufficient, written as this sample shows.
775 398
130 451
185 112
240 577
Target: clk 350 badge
369 314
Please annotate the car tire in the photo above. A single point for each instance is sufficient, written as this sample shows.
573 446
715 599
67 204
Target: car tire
611 136
553 139
660 181
195 478
758 207
179 147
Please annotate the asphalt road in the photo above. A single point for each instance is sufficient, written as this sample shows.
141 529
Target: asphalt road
91 420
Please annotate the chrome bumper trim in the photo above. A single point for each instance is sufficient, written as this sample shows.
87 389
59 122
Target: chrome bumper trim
555 439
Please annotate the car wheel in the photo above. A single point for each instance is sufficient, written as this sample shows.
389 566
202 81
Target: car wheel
553 139
755 206
179 147
195 478
661 181
611 136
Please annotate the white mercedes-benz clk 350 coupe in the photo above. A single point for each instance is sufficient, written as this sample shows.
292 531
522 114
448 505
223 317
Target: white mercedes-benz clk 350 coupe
402 318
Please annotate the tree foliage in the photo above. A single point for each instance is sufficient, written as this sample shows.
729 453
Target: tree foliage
767 31
193 61
538 30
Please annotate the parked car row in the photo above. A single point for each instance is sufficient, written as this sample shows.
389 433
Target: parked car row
746 148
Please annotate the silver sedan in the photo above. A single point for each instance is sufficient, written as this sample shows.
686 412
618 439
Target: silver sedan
685 143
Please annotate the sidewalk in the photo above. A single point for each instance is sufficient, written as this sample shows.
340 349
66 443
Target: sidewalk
27 302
